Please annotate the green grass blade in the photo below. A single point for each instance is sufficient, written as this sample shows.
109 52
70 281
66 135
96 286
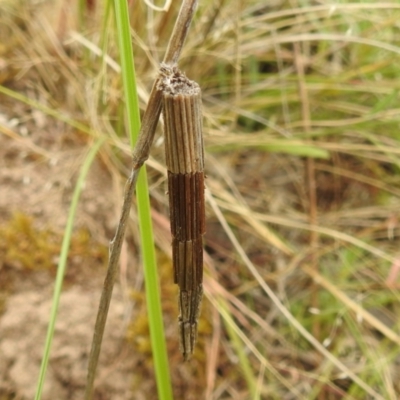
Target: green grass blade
62 265
46 110
237 344
146 232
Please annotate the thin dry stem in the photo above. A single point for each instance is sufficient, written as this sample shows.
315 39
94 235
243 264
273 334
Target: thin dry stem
359 310
153 110
115 250
310 179
288 315
140 155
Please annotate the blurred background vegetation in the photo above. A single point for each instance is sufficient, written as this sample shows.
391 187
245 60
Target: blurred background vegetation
302 134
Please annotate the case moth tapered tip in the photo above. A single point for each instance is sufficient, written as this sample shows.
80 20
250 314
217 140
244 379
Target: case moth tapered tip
190 304
187 339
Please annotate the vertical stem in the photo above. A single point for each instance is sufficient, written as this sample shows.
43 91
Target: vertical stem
140 155
62 265
153 110
310 179
238 60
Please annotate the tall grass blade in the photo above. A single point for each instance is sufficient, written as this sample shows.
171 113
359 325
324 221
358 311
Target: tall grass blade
62 265
146 231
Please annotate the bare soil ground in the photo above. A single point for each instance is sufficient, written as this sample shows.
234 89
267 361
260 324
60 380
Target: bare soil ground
264 193
40 185
38 172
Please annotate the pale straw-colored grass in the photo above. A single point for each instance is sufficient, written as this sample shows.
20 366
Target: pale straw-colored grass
306 300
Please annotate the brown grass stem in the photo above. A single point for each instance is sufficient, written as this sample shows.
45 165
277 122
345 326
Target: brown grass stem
153 110
309 177
140 155
279 305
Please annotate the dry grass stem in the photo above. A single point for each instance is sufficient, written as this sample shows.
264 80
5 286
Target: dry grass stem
153 110
310 176
290 318
140 155
301 277
359 310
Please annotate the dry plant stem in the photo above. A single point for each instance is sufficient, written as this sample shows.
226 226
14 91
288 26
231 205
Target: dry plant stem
285 312
351 304
115 250
140 155
185 164
310 178
153 110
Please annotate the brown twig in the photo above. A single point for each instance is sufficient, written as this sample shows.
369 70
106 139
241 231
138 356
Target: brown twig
153 110
310 177
140 155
